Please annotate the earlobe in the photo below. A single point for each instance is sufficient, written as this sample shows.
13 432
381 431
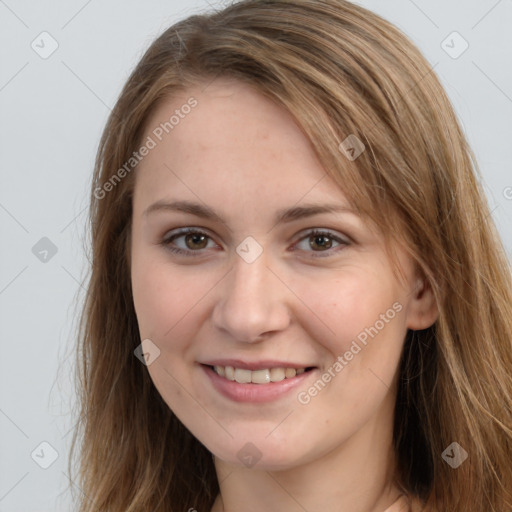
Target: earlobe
423 310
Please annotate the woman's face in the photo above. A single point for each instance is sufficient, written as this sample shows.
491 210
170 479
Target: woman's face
253 288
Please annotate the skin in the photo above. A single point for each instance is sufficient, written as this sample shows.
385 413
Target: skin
244 156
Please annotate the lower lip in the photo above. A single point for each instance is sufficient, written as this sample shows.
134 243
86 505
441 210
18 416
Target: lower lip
254 392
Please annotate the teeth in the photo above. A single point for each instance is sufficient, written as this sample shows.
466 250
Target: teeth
243 376
229 373
258 376
290 372
220 370
277 374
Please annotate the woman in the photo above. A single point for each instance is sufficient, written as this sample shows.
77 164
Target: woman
225 363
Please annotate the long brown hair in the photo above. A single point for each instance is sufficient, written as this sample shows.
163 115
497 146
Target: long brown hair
340 70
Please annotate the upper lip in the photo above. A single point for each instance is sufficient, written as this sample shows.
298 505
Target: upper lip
255 365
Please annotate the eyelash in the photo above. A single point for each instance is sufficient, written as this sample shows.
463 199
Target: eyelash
166 242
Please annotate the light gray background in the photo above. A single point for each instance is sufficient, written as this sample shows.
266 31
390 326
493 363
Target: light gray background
52 114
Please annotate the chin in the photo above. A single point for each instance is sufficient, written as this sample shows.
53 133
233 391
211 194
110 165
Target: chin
265 456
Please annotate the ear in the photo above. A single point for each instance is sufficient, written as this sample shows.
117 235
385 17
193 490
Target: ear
423 311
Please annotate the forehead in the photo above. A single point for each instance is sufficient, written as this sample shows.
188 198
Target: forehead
233 147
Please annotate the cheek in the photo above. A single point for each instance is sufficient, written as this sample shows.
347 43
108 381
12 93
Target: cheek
154 298
362 321
166 300
347 307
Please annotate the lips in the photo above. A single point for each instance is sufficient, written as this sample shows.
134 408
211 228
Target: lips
256 392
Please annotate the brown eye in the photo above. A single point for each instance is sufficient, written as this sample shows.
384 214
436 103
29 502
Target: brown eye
194 242
322 242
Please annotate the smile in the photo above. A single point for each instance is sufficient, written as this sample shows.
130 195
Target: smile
264 376
257 386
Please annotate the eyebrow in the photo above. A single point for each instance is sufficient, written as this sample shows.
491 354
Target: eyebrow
282 216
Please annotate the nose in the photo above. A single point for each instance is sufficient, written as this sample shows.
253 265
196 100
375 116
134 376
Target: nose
252 301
